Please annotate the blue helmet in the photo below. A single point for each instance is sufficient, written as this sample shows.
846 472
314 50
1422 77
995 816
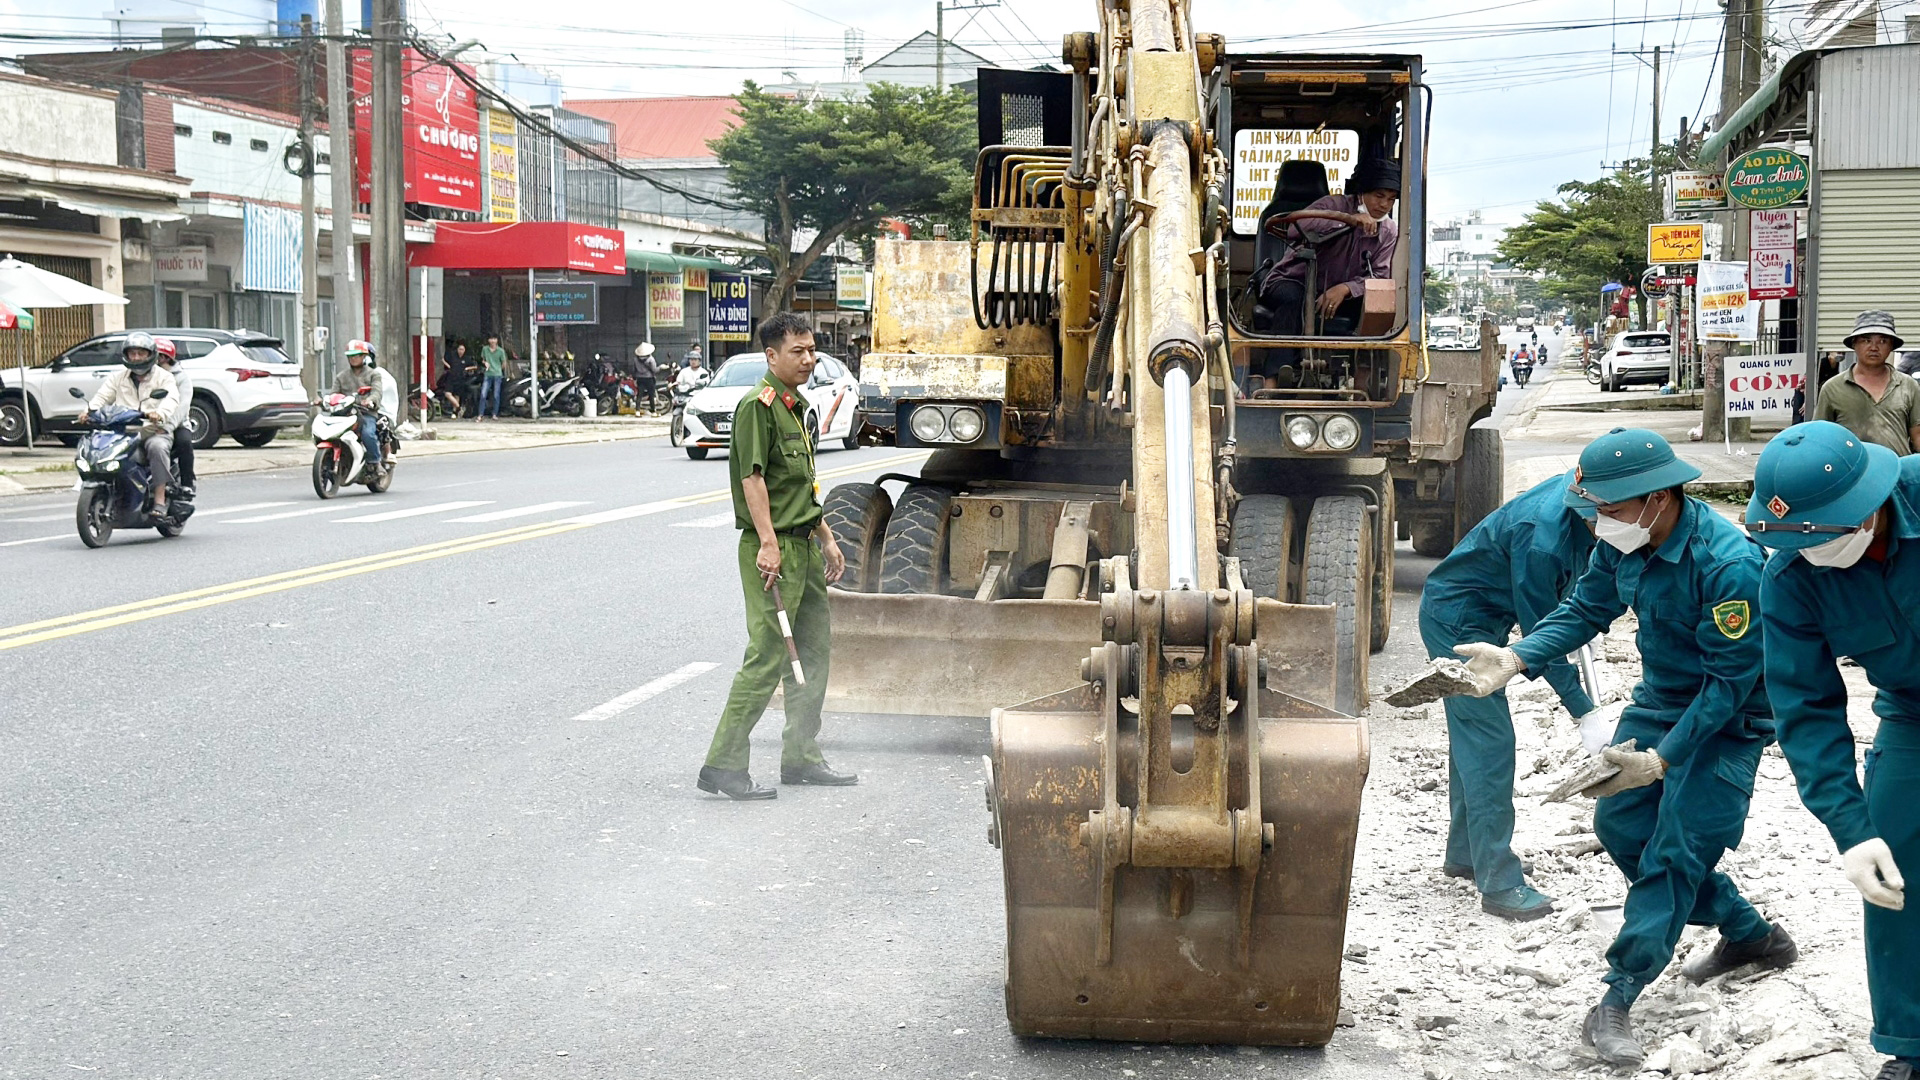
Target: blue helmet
1815 482
1623 464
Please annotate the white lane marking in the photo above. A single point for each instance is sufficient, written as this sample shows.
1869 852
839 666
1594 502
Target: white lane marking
642 510
35 540
241 509
653 689
713 522
331 508
417 511
518 511
35 520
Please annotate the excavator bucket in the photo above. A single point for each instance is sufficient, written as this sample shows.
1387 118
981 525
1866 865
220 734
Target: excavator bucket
1102 947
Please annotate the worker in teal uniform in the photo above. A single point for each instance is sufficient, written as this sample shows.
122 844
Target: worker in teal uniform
1844 517
1699 717
1512 569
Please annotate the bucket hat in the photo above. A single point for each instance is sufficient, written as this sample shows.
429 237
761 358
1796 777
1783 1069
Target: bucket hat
1816 481
1623 464
1873 322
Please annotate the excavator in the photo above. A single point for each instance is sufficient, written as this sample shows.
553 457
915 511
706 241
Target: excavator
1158 578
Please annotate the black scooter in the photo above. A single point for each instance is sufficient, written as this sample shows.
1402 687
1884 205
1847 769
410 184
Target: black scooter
116 489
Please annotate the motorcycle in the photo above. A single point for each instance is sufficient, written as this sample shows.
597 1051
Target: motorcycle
1522 371
339 458
116 489
556 396
676 424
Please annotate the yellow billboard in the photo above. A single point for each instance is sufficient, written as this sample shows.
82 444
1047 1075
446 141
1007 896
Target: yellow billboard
1676 242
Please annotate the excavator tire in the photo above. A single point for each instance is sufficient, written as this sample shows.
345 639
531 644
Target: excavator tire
913 552
857 514
1382 620
1337 569
1263 542
1481 469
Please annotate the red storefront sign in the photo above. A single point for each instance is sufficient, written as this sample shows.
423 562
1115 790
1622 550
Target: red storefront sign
524 245
441 137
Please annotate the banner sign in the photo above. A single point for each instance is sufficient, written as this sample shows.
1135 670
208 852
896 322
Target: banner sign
440 132
727 317
850 286
1772 236
1725 311
503 167
572 303
1692 192
1762 387
269 248
1258 154
694 279
1767 179
666 300
1676 242
184 263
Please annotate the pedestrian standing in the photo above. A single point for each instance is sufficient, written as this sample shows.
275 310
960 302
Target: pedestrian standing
1844 517
776 506
1513 568
493 368
1699 719
646 372
1871 399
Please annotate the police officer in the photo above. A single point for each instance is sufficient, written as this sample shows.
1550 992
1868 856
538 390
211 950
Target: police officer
1699 718
1844 517
1511 569
776 506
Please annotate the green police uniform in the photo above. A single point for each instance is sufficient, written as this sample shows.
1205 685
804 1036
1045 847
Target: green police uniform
1700 703
1817 474
769 438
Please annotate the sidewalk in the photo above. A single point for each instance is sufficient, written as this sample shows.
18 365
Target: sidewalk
50 468
1568 412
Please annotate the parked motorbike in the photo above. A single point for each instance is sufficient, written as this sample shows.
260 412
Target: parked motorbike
116 489
339 457
557 396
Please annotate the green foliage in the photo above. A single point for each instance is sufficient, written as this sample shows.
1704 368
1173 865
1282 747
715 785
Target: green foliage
1438 292
1595 233
839 168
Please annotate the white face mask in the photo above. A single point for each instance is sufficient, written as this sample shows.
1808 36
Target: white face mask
1840 553
1628 536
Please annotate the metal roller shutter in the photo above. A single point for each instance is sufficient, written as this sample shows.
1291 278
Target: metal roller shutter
1869 255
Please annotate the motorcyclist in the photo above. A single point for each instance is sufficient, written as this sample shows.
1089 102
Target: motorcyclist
139 384
182 436
693 376
358 381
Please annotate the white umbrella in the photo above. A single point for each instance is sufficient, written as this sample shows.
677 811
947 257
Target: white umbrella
24 285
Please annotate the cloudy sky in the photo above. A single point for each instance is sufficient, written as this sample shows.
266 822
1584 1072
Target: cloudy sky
1529 93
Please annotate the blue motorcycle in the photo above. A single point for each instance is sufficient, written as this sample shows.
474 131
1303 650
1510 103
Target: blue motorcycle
116 489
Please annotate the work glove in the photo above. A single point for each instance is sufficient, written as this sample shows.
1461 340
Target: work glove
1870 867
1638 768
1492 666
1596 731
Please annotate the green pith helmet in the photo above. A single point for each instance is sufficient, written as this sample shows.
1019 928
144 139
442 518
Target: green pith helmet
1623 464
1816 482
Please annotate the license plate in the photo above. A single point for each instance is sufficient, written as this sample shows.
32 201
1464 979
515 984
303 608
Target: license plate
722 427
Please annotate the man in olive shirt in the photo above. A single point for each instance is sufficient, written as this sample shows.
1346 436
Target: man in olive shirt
1871 399
776 506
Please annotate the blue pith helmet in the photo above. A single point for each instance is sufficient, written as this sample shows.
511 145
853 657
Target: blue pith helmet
1816 482
1623 464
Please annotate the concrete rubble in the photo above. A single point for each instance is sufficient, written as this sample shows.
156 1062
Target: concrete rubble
1454 992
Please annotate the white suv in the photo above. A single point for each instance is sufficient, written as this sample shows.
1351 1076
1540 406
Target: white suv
244 385
1635 356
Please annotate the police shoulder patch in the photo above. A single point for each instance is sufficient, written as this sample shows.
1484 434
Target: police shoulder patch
1732 618
766 395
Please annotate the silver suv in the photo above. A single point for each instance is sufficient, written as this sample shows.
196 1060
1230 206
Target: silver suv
244 385
1636 356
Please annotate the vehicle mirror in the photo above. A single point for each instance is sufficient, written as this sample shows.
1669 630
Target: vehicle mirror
59 363
75 391
158 394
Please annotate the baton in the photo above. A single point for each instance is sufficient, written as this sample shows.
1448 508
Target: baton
786 631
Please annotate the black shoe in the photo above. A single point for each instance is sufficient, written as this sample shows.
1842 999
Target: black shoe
1897 1069
735 784
1459 870
816 773
1606 1030
1775 951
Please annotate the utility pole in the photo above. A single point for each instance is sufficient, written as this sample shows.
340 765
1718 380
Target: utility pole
388 203
1739 76
940 45
1653 159
309 225
347 323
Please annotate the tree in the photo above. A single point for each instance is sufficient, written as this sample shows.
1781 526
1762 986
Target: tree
840 168
1438 292
1595 233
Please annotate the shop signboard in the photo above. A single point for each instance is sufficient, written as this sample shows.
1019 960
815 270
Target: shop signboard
440 132
666 300
694 279
850 287
185 263
727 302
566 303
1725 312
503 167
1768 178
1259 152
1675 242
1772 236
1762 387
1692 192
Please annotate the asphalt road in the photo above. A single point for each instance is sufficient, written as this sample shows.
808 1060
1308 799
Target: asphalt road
413 796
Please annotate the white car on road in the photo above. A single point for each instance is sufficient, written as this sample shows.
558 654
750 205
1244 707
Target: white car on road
1635 356
833 397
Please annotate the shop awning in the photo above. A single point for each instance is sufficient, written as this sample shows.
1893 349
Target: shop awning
523 245
1754 108
667 262
99 204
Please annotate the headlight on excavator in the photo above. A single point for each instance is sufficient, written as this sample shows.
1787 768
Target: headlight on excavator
1341 432
1302 431
929 423
965 424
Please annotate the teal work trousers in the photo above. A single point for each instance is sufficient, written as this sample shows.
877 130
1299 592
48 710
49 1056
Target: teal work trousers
1480 748
1893 937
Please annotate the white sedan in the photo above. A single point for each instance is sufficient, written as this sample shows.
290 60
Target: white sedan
833 397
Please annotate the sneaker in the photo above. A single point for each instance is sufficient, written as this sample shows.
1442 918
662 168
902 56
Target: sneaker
1522 903
1898 1069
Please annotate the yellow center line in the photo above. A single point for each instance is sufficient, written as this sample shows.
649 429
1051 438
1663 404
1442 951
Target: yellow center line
193 599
